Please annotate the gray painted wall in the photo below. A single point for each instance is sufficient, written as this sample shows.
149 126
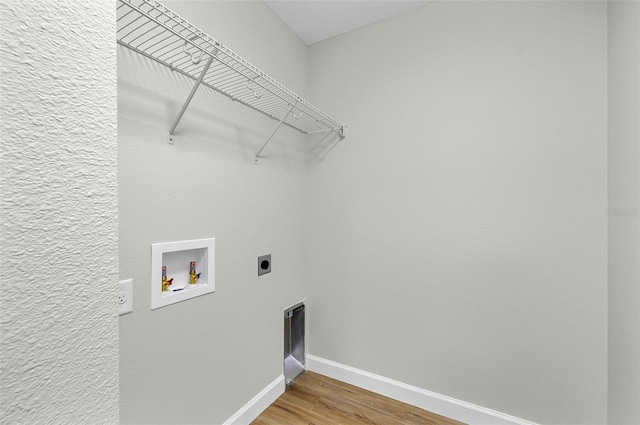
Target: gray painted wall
201 360
624 212
457 243
458 240
58 213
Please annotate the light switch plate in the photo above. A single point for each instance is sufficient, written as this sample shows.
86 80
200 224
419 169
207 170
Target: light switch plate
125 296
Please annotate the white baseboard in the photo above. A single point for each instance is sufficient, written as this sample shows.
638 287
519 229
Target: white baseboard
427 400
258 404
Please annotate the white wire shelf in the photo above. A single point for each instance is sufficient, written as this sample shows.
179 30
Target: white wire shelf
154 31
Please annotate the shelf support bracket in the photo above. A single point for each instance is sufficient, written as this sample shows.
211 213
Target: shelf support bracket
186 103
273 133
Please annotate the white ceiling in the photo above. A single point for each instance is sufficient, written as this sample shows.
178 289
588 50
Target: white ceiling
317 20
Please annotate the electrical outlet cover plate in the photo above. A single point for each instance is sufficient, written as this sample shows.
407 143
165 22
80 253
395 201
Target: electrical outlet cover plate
125 296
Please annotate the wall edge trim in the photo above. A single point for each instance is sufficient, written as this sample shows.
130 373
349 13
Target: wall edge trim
258 404
415 396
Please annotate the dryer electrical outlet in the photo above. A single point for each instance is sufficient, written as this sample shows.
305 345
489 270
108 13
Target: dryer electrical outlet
264 264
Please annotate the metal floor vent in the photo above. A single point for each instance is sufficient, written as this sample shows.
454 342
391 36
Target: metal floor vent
294 350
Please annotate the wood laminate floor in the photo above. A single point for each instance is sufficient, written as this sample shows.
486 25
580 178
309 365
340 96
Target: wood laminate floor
318 400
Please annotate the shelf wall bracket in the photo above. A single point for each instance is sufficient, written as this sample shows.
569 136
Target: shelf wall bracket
273 133
170 138
343 131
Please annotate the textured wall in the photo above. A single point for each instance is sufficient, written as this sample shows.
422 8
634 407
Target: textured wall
459 236
624 211
201 360
58 240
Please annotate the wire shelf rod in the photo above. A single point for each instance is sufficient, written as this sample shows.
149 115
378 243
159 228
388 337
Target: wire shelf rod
158 42
154 27
130 23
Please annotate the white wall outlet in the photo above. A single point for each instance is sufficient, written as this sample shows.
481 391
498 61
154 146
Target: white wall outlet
125 296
